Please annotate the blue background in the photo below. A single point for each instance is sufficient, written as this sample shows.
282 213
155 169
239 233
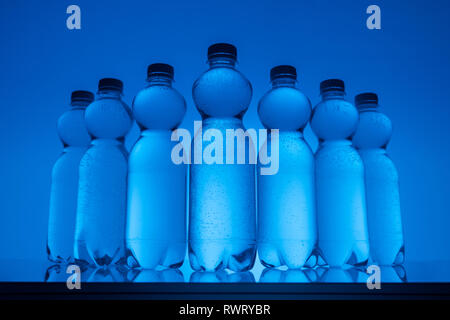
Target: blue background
406 62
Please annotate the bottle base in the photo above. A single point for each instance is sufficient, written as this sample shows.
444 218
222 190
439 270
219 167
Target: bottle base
150 254
214 255
86 256
294 254
341 253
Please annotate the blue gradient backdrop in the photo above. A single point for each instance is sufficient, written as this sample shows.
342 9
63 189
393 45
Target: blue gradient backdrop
407 63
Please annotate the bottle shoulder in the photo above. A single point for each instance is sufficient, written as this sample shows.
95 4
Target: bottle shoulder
284 108
108 118
147 94
222 92
334 119
159 107
71 128
374 130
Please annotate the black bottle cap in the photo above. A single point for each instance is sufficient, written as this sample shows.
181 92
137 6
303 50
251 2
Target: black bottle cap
332 85
283 71
160 69
366 98
82 96
222 50
110 84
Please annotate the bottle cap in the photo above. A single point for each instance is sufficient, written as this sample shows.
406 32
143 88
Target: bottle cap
283 71
332 85
160 69
222 50
110 84
366 98
82 96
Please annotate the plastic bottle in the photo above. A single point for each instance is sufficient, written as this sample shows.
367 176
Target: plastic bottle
222 215
287 230
64 190
102 192
340 191
381 178
156 215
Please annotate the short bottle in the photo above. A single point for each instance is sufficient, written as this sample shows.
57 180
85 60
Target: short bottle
156 215
287 231
383 200
102 191
222 213
64 190
340 189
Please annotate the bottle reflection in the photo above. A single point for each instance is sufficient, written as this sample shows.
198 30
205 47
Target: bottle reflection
150 275
109 274
341 275
55 273
291 275
58 273
388 274
222 276
393 274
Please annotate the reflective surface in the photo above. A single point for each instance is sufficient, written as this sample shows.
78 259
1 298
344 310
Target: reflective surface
45 271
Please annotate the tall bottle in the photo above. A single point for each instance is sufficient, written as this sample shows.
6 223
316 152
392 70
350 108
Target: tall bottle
156 218
383 201
222 219
340 191
286 200
64 190
102 191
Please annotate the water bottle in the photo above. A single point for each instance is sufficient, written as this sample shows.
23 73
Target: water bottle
102 191
287 231
340 191
64 190
383 201
222 214
156 214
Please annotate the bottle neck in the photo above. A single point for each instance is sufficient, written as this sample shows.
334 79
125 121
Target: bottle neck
363 107
160 80
333 94
215 62
108 93
284 82
79 104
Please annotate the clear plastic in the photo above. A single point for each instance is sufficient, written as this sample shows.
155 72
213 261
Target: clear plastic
156 214
287 231
100 223
222 213
382 191
64 189
340 189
